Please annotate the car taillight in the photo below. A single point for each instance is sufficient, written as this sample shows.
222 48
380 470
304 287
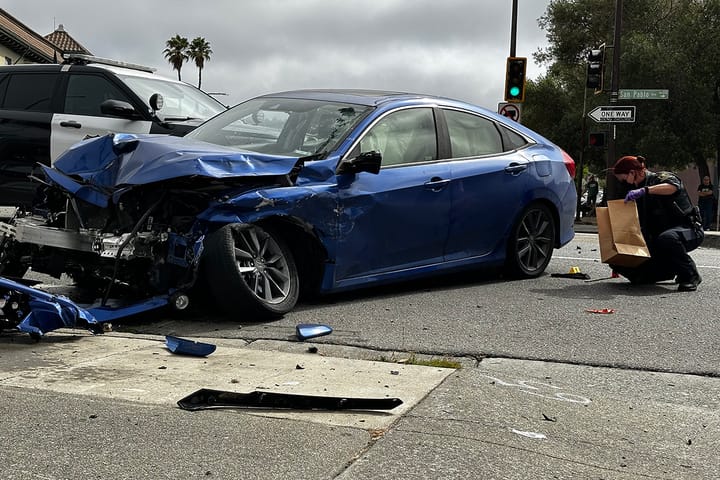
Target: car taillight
569 163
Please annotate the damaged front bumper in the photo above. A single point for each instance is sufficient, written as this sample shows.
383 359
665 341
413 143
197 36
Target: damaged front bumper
37 312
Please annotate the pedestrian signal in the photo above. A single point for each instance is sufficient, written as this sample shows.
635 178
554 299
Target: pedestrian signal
596 139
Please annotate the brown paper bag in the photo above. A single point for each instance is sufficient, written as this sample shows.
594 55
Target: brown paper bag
621 241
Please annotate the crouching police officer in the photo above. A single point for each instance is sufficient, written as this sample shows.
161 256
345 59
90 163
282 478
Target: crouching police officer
670 225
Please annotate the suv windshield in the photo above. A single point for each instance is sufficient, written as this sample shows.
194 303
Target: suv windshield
180 101
283 126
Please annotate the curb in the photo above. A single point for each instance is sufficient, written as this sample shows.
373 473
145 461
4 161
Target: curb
712 238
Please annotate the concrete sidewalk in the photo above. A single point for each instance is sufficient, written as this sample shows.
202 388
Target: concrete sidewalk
139 368
81 406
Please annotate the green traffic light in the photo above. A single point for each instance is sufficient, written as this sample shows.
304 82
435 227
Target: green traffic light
515 91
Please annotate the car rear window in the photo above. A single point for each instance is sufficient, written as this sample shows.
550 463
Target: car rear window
472 135
29 92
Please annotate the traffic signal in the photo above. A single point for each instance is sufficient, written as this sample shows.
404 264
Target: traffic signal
594 78
596 139
515 79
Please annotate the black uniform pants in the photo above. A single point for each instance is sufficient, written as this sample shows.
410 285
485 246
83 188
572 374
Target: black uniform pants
668 257
672 247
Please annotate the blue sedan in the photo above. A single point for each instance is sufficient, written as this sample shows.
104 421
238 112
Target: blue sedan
301 191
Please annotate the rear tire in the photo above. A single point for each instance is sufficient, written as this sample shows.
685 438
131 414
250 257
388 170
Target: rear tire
250 271
531 243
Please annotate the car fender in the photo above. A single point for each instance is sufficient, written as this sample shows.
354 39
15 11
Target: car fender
315 208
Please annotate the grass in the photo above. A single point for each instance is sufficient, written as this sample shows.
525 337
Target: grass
431 362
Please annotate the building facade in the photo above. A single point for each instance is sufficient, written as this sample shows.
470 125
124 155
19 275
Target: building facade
20 44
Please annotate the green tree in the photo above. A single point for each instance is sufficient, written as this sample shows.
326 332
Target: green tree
665 44
200 52
176 52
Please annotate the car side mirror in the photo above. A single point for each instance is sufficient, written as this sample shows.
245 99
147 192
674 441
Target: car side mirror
119 109
156 101
365 162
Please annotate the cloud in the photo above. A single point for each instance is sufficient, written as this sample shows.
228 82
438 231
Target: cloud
454 48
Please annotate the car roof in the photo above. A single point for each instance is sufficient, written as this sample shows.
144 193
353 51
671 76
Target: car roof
129 72
376 98
356 96
119 69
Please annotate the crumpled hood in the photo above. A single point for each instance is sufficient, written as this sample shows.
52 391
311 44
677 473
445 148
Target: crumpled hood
118 160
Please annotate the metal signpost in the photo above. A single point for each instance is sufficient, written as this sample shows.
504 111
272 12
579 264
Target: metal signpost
613 114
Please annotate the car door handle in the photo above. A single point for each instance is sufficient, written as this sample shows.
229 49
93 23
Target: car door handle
516 168
71 123
436 183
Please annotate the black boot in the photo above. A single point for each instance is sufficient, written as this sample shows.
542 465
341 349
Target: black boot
689 285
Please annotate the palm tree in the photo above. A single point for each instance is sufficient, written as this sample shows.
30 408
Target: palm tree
176 52
200 52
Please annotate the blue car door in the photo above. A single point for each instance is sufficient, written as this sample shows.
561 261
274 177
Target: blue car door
487 189
397 220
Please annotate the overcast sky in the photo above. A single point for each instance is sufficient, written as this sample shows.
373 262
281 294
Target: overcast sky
454 48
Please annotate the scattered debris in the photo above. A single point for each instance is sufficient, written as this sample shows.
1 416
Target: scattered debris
311 330
37 312
182 346
600 310
538 436
573 273
206 399
578 275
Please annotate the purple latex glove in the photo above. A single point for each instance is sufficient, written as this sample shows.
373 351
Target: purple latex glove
634 194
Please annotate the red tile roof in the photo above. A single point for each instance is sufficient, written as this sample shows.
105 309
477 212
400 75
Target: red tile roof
66 43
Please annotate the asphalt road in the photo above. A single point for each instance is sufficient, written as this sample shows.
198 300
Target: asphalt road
653 327
546 389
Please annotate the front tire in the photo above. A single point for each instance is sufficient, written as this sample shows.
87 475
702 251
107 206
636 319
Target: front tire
250 271
531 243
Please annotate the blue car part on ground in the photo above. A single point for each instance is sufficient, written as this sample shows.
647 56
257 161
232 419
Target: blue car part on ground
183 346
304 331
37 312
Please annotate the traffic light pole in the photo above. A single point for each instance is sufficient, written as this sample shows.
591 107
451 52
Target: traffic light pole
513 29
583 137
612 186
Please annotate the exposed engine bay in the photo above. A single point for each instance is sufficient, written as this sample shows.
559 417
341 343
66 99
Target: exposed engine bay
147 243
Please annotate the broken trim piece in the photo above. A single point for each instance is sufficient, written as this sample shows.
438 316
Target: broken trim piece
39 312
207 399
182 346
305 331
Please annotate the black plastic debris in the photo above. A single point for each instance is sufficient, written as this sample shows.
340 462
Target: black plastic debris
206 399
577 275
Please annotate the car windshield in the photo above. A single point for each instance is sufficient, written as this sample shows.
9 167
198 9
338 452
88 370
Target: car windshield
180 101
283 126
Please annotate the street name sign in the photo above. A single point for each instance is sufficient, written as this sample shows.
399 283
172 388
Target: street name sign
613 114
643 94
